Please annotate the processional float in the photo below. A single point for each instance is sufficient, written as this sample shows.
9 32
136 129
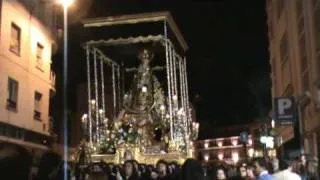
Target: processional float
148 87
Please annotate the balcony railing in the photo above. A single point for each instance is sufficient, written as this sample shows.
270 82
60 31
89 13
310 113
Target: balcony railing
11 105
37 115
52 78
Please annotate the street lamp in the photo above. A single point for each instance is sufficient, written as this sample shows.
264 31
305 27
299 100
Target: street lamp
65 4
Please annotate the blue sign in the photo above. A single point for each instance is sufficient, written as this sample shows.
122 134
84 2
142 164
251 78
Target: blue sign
244 137
285 109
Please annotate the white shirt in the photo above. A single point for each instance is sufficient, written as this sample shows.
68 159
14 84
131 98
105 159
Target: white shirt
286 175
264 172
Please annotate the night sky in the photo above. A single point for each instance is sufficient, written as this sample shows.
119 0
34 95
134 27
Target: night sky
228 66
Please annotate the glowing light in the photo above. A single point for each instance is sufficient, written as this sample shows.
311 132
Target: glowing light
100 111
273 123
220 156
66 3
220 143
84 116
206 157
263 139
250 142
270 142
191 143
162 107
251 152
93 101
175 97
235 156
234 142
144 89
206 145
105 120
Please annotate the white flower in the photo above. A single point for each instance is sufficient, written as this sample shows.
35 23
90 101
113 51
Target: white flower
130 130
121 130
121 141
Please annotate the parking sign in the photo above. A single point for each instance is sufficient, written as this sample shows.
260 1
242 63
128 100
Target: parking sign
285 109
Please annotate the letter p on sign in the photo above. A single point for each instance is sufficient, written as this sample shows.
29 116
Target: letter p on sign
284 104
285 109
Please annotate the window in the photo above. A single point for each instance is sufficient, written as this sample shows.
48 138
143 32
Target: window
12 100
15 39
39 55
37 105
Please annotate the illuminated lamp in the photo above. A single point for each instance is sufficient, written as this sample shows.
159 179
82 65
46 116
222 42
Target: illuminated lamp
206 145
235 157
251 152
206 157
234 142
220 156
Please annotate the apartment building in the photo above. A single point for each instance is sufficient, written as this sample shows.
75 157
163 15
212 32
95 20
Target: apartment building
224 149
294 46
27 82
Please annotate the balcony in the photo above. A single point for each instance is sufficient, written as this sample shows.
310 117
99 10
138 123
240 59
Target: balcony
52 78
37 115
11 105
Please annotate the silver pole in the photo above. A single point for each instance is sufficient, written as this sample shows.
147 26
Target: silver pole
114 92
187 91
89 94
118 88
174 120
173 55
168 79
181 84
102 89
64 91
96 95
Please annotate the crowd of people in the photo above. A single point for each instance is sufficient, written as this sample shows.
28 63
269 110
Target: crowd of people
16 164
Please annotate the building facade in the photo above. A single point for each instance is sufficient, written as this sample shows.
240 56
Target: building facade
294 46
224 150
27 81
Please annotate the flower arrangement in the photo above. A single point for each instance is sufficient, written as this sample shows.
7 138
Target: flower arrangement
120 134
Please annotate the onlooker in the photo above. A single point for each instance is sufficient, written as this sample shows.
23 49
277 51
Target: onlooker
15 162
261 171
50 167
286 172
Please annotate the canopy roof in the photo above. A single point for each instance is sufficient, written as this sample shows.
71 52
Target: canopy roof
142 23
